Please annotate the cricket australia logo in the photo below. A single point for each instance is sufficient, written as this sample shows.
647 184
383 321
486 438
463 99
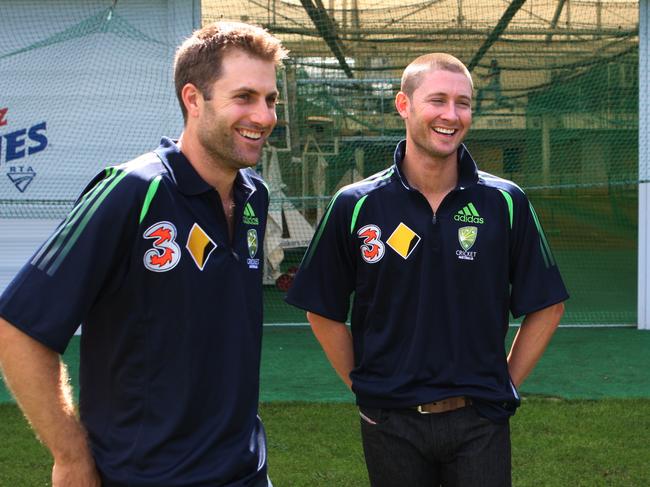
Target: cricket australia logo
252 241
165 253
372 249
466 239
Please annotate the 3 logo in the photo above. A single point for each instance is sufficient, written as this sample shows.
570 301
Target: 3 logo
165 253
372 248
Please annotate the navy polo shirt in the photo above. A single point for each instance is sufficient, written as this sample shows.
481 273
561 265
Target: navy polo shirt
432 292
172 321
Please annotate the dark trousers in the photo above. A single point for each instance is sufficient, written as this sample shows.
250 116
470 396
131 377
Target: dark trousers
454 449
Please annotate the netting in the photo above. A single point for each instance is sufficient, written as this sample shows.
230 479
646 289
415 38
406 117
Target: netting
556 110
84 85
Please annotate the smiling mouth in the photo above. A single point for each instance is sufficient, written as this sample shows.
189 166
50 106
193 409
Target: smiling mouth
250 134
444 131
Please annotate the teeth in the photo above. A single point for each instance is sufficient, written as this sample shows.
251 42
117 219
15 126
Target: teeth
249 134
444 131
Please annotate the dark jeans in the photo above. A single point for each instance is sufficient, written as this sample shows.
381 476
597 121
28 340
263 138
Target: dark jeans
455 449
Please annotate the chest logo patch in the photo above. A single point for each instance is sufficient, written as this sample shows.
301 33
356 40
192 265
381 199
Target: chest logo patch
403 240
372 248
466 239
249 217
165 253
469 214
200 245
252 241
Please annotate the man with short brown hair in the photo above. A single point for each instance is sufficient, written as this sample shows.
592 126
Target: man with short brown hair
161 260
437 253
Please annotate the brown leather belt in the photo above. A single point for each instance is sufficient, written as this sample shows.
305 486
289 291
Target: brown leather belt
444 405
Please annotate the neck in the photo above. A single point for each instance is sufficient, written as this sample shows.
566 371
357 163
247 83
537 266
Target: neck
211 171
430 175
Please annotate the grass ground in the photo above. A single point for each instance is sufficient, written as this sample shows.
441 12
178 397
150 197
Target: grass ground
580 363
556 443
597 435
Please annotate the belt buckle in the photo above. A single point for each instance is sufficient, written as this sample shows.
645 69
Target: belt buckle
422 411
444 405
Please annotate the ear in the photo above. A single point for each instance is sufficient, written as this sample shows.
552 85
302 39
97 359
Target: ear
402 104
192 99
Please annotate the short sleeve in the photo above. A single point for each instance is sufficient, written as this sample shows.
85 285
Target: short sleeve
326 277
51 295
535 279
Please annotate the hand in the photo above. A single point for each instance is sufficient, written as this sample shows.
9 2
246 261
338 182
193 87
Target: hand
82 473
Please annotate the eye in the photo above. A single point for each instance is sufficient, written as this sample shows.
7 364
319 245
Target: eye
244 96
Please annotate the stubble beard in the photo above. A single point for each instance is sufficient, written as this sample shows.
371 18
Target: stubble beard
223 151
427 146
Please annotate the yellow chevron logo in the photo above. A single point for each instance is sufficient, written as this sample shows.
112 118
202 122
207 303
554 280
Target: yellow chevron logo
199 245
403 240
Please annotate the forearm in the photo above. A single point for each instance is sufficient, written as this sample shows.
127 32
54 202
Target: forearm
336 340
38 379
531 340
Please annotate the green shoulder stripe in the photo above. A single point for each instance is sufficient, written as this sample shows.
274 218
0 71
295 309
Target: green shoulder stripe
82 225
151 192
548 256
55 242
59 245
355 213
508 198
319 233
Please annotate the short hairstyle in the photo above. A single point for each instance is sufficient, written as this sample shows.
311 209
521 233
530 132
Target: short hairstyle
414 72
199 59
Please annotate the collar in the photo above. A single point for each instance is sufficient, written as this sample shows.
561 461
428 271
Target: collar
185 176
467 169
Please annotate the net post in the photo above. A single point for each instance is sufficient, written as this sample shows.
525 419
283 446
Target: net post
643 303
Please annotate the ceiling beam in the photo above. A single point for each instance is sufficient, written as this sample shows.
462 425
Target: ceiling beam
505 19
385 35
556 17
327 31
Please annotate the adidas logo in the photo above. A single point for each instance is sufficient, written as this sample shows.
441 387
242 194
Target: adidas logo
249 215
468 215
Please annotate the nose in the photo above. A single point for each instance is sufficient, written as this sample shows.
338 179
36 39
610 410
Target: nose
450 111
264 114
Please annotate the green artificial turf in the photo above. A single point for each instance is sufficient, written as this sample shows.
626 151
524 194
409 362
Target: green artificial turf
556 443
315 442
580 363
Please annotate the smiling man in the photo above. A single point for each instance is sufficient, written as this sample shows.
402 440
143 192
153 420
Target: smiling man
161 260
437 254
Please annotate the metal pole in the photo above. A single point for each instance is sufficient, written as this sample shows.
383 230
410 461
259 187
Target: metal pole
643 302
